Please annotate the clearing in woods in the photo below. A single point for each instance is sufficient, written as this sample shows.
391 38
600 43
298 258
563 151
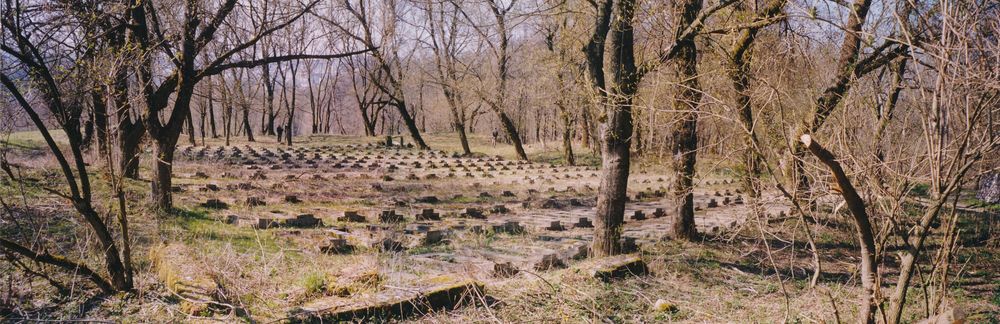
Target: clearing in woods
332 230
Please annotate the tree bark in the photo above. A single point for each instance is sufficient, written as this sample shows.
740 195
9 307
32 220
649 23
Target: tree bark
585 127
246 121
190 128
567 137
268 99
831 97
684 136
411 125
211 111
294 67
100 116
511 130
866 237
739 76
130 136
165 138
162 177
201 124
130 133
617 130
502 70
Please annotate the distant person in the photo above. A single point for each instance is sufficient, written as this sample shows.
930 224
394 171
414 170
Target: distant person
496 136
280 130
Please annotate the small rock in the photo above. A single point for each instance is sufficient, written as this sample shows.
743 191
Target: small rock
549 262
504 270
664 306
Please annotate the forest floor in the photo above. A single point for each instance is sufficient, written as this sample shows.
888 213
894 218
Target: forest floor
264 233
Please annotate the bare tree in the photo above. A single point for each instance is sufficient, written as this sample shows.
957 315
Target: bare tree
850 65
443 29
23 34
553 36
386 54
615 100
500 48
147 33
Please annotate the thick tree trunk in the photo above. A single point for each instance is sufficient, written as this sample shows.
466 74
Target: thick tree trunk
612 192
411 125
130 133
369 124
165 137
567 139
130 137
684 136
464 138
100 119
617 130
585 127
268 99
211 111
246 123
162 197
511 130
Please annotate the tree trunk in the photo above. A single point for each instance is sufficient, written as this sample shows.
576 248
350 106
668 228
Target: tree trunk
313 108
511 130
866 237
739 76
100 119
162 197
617 130
585 127
227 119
211 111
464 138
411 125
567 138
201 125
130 133
190 128
684 136
369 123
291 108
129 138
120 279
268 99
826 103
246 122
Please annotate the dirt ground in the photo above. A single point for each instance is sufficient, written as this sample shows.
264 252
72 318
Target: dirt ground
264 231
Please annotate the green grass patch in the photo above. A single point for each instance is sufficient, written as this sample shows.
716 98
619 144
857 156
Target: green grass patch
314 283
921 190
197 228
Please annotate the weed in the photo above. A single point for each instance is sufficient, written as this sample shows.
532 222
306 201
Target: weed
314 283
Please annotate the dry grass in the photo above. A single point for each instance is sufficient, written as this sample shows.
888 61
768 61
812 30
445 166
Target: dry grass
265 273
